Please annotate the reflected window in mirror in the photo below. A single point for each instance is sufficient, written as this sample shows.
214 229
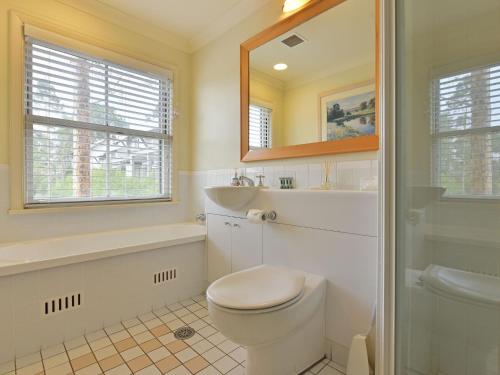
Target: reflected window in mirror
260 131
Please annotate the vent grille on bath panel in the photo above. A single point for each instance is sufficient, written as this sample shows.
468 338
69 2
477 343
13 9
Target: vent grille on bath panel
165 276
293 40
61 304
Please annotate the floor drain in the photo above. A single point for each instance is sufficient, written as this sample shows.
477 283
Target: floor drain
184 333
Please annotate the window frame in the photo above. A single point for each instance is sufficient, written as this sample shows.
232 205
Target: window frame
73 40
436 75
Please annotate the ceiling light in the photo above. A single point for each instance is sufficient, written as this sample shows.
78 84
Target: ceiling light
291 5
280 66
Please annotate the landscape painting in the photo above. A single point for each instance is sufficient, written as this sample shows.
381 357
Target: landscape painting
348 114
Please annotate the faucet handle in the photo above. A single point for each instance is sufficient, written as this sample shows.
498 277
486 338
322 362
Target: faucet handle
260 177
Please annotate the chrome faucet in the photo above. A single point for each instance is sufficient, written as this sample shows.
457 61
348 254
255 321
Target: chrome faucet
246 179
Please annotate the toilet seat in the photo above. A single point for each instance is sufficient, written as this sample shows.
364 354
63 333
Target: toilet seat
260 288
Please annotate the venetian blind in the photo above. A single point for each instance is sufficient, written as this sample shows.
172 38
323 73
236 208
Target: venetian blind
94 130
466 132
259 127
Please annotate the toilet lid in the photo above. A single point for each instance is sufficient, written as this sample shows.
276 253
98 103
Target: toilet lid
260 287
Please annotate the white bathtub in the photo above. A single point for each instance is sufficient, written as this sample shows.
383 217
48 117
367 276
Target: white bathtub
18 257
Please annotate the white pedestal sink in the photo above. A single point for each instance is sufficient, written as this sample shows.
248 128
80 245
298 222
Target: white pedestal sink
231 197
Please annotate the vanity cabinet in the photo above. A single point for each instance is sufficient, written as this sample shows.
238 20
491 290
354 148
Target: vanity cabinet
233 245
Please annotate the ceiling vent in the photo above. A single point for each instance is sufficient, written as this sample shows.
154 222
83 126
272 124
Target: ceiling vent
293 40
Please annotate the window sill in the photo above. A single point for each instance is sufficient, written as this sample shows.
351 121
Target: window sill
89 207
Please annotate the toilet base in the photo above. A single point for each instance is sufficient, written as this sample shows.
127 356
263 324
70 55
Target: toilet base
292 354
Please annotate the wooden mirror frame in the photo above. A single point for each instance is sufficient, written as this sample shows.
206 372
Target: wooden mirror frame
360 144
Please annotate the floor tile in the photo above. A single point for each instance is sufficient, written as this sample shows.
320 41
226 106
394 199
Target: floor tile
27 360
90 370
145 317
174 324
186 354
193 340
62 369
189 318
111 362
160 330
119 336
176 346
210 370
114 329
198 324
199 298
138 363
52 351
182 312
55 360
126 344
196 364
167 317
75 343
174 306
317 367
101 343
238 370
181 370
150 370
139 328
167 339
131 322
167 364
120 370
202 346
132 353
96 335
153 323
79 351
207 331
239 355
32 369
225 364
150 345
106 352
82 361
160 311
217 338
143 337
213 355
227 346
158 354
194 307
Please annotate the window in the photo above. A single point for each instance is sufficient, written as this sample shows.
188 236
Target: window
259 127
466 132
94 130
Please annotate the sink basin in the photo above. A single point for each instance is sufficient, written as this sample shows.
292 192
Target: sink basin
232 197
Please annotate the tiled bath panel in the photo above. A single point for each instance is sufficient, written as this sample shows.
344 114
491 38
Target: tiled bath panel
147 345
112 289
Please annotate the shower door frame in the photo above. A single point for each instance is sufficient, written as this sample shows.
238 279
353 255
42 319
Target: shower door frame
386 297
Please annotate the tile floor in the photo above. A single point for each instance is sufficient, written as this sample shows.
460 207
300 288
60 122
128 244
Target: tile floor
146 346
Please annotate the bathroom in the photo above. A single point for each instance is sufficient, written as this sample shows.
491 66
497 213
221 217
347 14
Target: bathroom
260 187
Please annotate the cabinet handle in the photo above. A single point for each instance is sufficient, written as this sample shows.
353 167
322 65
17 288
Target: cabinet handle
227 223
236 225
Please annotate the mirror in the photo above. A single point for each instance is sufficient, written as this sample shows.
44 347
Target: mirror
309 85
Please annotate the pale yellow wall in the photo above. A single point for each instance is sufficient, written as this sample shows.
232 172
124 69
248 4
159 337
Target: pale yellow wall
216 95
75 23
301 104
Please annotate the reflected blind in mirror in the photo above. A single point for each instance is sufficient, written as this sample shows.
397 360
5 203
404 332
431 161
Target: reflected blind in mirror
94 130
466 132
259 127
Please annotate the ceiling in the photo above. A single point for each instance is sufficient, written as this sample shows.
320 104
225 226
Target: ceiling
337 40
191 20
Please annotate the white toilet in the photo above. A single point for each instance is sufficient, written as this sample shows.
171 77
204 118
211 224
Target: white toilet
277 313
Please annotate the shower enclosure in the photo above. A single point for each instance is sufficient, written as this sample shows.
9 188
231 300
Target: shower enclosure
447 181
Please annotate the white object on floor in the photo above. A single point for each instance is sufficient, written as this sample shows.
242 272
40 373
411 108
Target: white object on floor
281 323
362 353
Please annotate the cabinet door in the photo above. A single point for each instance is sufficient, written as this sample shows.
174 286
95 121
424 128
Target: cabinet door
246 245
218 246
